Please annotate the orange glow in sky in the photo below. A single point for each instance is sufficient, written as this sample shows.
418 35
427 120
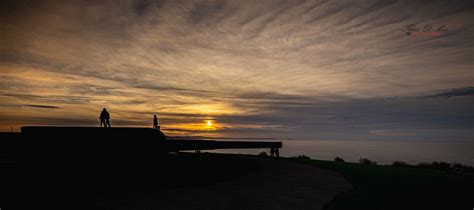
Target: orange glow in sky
255 69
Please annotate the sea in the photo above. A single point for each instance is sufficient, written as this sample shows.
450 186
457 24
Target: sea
382 152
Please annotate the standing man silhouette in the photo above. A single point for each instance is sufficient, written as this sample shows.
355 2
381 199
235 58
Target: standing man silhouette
104 118
155 123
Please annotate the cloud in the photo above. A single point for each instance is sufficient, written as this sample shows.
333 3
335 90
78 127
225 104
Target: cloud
304 67
42 106
467 91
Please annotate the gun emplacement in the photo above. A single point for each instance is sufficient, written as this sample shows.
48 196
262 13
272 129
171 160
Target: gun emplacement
93 140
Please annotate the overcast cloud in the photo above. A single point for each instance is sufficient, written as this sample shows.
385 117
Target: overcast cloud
283 69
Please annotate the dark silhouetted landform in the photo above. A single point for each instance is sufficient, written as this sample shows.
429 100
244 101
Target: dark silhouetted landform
66 135
126 178
120 142
130 168
400 186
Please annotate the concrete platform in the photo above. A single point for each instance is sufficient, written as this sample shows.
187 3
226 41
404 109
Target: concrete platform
120 141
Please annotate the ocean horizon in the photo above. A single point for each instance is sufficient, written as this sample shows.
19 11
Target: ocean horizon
383 152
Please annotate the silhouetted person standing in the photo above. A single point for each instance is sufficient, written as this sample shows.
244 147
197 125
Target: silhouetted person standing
155 123
104 118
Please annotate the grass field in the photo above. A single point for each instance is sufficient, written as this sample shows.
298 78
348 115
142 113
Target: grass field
396 187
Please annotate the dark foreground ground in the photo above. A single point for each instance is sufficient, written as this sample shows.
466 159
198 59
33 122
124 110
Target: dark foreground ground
399 187
176 181
145 180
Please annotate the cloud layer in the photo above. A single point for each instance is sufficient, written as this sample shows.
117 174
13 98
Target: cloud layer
303 69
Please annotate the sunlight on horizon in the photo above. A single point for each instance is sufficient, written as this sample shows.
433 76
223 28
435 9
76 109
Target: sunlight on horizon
272 68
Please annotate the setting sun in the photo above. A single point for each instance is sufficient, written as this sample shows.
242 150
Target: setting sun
209 123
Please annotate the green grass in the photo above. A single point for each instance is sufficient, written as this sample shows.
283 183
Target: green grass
392 187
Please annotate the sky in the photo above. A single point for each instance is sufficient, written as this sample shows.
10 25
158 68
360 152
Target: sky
328 70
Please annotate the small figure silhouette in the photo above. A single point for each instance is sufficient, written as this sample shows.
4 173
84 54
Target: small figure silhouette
155 123
277 152
104 118
272 152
